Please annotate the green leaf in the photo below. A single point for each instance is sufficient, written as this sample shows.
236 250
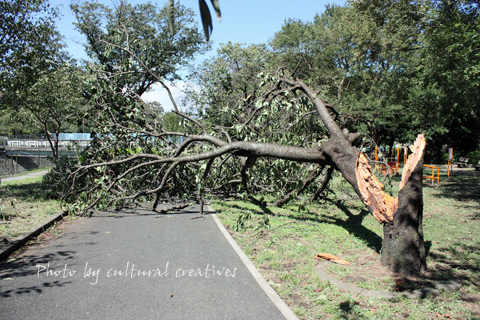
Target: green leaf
216 6
206 19
171 16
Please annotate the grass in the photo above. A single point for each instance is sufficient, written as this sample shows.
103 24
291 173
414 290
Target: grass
284 252
23 206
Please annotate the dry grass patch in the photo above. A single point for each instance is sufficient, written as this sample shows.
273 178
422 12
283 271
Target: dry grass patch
23 206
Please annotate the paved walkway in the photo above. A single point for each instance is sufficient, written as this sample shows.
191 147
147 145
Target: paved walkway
136 266
26 175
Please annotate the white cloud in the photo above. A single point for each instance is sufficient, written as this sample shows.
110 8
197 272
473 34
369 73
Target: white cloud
160 94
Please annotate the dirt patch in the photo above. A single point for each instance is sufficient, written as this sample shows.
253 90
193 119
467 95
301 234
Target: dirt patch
367 272
473 302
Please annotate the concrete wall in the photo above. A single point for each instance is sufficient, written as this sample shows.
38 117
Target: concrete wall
9 166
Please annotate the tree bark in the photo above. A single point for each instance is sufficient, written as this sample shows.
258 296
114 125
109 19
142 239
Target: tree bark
403 245
323 186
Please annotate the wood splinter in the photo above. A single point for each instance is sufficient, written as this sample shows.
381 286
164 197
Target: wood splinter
331 258
382 205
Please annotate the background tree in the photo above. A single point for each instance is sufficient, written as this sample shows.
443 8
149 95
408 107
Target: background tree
132 48
29 43
357 59
54 103
447 79
385 67
143 31
31 61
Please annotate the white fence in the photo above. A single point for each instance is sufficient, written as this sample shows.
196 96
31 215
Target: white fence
45 144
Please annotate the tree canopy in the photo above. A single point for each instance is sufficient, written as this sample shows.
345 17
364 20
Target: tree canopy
118 39
31 58
393 68
29 42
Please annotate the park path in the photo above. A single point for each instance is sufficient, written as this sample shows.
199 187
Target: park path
26 175
135 266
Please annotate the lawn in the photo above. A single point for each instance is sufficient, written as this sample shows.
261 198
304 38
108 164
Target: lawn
282 243
23 206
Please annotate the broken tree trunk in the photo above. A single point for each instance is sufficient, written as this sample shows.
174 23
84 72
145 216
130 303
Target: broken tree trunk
403 246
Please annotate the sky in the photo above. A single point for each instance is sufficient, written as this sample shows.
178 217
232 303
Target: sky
245 21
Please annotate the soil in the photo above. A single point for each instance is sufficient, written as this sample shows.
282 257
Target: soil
366 271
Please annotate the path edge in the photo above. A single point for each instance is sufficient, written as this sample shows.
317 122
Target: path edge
274 297
16 244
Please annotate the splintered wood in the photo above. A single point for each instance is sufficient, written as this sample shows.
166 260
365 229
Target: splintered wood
418 149
332 258
380 204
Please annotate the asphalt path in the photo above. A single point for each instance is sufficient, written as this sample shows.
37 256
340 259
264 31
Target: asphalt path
134 266
26 175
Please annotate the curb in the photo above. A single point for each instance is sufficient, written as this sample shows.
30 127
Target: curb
274 297
413 294
16 244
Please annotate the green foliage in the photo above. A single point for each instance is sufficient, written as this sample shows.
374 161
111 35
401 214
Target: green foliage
127 41
447 73
241 219
234 95
53 103
371 61
393 68
172 122
40 86
349 55
131 49
226 80
29 42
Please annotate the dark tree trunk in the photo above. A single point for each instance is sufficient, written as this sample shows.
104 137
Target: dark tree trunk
324 184
403 245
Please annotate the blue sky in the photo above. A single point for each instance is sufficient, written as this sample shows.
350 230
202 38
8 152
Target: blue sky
244 21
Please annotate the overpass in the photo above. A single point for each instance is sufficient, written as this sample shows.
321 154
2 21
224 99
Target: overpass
26 152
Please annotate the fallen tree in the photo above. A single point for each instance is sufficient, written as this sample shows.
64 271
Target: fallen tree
132 157
403 247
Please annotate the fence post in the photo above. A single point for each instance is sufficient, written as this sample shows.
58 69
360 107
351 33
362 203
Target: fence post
450 162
